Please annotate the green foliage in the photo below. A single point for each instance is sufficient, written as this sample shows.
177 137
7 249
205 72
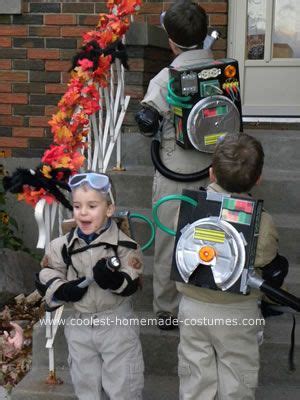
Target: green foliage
9 227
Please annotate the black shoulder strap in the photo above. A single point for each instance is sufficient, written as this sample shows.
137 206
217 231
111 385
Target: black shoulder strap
127 243
70 235
124 243
65 252
91 246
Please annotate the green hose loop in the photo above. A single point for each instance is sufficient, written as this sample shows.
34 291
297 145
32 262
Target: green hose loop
178 103
150 223
181 197
174 96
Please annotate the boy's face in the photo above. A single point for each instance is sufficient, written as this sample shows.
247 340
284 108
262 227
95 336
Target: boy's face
90 209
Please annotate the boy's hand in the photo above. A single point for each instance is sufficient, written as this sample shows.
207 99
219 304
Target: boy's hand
105 277
70 291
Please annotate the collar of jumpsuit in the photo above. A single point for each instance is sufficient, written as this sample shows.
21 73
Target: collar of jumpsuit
91 237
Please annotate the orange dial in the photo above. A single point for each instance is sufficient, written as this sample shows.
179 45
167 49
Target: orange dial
207 253
230 71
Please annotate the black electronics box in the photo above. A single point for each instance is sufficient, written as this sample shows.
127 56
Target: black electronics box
189 85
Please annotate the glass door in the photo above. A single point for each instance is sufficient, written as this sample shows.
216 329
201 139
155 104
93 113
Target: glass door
264 35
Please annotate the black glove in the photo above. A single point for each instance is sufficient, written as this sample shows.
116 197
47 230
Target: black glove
106 278
148 121
70 291
275 272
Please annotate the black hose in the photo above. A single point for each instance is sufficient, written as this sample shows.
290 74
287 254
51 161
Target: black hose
281 296
174 176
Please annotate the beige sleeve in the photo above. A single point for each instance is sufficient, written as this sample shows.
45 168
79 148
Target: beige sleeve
56 268
267 244
157 93
131 261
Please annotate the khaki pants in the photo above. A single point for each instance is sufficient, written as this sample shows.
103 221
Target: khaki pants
217 360
105 358
184 161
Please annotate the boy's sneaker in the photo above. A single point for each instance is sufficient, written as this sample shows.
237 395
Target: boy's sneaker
166 321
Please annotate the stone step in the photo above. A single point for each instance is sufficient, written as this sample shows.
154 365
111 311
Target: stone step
280 148
32 387
289 235
133 186
277 383
280 189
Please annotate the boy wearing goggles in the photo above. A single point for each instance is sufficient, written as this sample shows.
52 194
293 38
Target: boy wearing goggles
185 23
105 354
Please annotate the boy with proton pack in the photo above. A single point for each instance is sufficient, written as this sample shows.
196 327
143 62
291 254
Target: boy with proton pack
185 22
223 360
103 271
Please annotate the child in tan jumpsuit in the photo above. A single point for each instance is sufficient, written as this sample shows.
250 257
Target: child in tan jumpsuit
186 25
223 359
105 353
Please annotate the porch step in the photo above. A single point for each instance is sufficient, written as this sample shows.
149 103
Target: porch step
280 189
280 148
33 387
277 382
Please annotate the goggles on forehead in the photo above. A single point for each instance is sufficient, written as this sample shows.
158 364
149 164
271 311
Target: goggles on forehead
161 20
96 181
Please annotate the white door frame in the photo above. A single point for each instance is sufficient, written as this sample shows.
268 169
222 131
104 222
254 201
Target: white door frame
237 32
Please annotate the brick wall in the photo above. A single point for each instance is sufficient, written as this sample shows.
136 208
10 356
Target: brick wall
35 52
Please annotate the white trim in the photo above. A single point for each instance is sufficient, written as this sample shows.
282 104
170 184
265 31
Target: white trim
268 32
286 120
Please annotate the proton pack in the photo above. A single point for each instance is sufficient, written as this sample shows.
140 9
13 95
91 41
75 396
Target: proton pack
206 103
216 241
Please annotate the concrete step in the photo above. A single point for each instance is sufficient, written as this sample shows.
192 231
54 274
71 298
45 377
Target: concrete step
280 189
280 392
289 235
280 147
133 186
32 387
277 383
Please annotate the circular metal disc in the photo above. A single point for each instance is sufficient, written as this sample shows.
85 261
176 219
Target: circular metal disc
211 118
229 262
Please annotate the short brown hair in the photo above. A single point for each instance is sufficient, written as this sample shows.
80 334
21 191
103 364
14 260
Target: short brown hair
238 162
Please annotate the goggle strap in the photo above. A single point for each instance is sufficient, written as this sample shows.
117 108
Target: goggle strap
111 196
